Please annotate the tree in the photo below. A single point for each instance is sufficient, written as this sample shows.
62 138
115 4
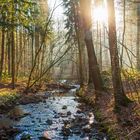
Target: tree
138 36
119 95
2 48
75 32
15 14
80 43
94 72
13 45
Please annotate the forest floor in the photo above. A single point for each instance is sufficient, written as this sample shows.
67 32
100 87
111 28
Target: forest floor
121 126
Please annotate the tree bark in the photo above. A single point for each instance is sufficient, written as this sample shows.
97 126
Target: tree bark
94 71
13 58
119 95
2 52
80 43
9 52
138 36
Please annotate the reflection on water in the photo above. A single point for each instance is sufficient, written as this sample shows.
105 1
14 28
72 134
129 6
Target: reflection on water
36 123
60 117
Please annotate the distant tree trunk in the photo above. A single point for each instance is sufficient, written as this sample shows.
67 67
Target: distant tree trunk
138 36
16 53
42 58
20 53
13 58
9 52
123 34
100 58
119 95
37 45
24 55
81 66
72 64
92 60
99 3
2 52
79 38
32 38
6 52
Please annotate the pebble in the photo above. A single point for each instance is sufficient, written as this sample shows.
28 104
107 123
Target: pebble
64 107
49 122
68 113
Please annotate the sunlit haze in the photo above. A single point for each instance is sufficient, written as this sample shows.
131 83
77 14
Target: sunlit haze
100 14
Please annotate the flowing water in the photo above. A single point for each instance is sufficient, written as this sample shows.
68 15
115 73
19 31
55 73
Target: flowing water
60 117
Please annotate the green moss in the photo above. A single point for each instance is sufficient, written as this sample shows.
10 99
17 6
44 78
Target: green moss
7 97
98 114
80 92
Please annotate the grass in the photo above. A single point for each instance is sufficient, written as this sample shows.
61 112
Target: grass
7 96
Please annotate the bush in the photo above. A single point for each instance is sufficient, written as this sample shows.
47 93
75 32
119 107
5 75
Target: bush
130 74
107 78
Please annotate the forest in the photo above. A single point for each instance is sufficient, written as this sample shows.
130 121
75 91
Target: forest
69 69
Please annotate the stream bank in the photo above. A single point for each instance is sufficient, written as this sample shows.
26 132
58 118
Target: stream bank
60 116
119 126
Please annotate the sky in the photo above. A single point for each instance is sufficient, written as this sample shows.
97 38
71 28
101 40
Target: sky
58 14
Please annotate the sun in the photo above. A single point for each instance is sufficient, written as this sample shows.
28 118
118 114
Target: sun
100 14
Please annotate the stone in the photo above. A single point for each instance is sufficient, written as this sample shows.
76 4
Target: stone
78 111
68 113
46 136
39 120
25 136
42 138
64 107
49 122
56 116
33 121
44 101
66 131
77 131
86 129
63 115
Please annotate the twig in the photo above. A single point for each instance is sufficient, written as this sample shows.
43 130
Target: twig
133 132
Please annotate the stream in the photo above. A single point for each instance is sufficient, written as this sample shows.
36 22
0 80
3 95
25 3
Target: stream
59 117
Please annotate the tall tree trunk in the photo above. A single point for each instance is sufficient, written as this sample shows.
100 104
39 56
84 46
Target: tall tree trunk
138 36
2 52
92 60
119 95
13 58
13 48
16 43
9 52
